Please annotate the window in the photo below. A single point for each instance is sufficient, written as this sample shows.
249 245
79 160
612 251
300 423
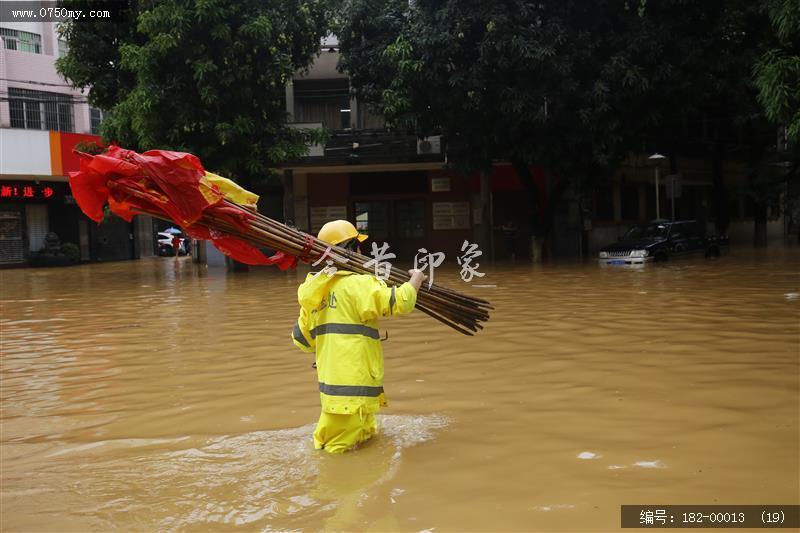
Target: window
410 219
21 40
391 220
63 48
97 116
372 218
325 101
39 110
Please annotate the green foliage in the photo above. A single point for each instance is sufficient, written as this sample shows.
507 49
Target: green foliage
108 215
204 76
93 58
72 251
562 84
777 74
90 147
572 86
569 86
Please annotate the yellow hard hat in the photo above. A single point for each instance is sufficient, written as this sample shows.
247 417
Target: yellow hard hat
339 231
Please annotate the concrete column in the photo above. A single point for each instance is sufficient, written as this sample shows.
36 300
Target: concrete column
5 115
47 40
143 230
486 214
83 238
214 258
199 252
300 194
288 195
290 101
642 192
354 124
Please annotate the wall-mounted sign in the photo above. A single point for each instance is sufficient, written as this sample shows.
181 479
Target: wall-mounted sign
321 215
440 184
450 215
26 192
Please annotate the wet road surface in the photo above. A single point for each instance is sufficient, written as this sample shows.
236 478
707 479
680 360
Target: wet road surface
159 395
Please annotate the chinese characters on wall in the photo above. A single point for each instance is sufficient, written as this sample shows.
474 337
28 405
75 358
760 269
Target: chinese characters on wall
42 192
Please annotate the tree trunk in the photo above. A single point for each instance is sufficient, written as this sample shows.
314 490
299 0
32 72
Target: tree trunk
288 196
759 185
486 215
760 225
536 249
534 216
721 211
554 196
541 220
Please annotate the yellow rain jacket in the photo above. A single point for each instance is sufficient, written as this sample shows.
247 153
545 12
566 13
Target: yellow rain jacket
339 321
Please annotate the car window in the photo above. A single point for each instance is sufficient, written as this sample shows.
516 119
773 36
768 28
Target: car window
646 231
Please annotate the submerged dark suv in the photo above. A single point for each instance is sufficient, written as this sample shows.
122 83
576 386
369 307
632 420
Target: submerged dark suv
660 241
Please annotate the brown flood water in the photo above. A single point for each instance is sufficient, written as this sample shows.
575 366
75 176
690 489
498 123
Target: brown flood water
152 395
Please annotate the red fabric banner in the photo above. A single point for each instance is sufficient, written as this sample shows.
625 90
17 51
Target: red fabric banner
167 185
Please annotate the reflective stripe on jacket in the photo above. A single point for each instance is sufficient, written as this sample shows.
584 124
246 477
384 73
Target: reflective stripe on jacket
339 321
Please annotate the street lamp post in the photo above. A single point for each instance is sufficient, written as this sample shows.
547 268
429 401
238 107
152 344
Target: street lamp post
672 194
656 159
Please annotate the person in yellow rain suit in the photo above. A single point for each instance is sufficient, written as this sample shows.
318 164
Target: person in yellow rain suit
339 322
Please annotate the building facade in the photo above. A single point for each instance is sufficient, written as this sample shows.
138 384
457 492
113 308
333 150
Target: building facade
42 119
399 189
395 187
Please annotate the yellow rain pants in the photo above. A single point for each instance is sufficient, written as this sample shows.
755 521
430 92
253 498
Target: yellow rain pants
338 433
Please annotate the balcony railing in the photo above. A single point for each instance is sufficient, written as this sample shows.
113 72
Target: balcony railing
370 146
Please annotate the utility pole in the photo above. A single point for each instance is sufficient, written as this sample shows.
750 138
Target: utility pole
656 159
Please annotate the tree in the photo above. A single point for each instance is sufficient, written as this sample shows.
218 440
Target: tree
564 85
777 77
204 76
709 108
777 74
571 86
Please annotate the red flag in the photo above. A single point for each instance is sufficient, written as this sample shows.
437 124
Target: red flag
178 176
170 185
89 189
239 249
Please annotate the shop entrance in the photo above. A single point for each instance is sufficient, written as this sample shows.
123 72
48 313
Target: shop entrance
12 246
390 207
399 222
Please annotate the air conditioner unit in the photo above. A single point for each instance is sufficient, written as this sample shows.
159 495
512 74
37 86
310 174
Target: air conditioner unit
429 145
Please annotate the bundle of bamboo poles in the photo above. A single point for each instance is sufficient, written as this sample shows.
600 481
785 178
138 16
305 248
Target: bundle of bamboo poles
458 311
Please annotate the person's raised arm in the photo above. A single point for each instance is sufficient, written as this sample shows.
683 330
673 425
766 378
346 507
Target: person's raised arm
376 299
417 278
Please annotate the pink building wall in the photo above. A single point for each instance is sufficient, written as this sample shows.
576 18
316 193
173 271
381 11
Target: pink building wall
28 70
